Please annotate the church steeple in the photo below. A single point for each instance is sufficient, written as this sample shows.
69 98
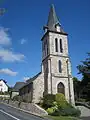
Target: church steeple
57 76
53 23
52 18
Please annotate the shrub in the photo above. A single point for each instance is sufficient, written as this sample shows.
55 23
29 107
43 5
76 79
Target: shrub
69 111
54 103
50 111
17 98
4 93
60 97
48 101
61 101
56 113
64 108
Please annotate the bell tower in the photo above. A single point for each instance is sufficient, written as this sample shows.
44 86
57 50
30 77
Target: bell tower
55 59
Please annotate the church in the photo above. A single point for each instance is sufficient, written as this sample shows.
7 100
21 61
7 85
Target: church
55 76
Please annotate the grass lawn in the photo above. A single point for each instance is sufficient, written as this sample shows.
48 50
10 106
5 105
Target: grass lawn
62 118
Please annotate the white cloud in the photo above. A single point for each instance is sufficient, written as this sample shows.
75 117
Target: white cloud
8 72
26 78
9 56
23 41
5 39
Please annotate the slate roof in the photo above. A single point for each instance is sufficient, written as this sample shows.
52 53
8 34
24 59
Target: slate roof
53 21
17 86
31 80
52 18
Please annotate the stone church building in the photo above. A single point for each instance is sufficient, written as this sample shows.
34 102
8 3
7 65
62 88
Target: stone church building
55 76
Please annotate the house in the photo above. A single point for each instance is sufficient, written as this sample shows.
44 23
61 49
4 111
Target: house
3 86
55 76
15 89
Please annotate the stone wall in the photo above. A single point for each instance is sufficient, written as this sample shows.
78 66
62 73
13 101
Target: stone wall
14 103
56 81
55 66
38 88
52 37
30 107
34 108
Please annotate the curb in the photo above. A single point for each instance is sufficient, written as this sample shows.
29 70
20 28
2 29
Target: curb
34 114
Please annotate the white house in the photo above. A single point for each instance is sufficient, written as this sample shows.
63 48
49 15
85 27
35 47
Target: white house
3 86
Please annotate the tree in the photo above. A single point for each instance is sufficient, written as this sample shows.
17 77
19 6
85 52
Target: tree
2 11
76 87
84 69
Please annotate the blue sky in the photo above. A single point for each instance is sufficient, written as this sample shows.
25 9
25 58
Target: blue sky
21 32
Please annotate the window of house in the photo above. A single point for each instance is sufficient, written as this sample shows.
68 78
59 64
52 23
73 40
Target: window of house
61 49
60 69
56 45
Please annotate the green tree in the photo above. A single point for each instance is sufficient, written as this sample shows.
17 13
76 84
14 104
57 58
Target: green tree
84 69
2 10
77 84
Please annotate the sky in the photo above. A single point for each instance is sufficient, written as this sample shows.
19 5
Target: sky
21 30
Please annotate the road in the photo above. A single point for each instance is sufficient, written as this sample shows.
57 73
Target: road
85 112
9 113
85 118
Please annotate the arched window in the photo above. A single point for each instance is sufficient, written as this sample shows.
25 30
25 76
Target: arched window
61 49
56 45
59 65
61 88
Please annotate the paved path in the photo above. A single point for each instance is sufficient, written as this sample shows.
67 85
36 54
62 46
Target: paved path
85 118
8 113
85 113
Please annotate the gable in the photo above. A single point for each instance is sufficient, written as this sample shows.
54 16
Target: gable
3 83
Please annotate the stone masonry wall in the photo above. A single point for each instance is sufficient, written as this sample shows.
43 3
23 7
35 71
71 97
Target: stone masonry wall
38 88
55 66
52 37
56 81
30 107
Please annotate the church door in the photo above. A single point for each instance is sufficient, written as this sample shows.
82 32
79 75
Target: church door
61 88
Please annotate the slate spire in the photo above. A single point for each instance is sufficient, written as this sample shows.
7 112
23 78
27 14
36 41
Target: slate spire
52 18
